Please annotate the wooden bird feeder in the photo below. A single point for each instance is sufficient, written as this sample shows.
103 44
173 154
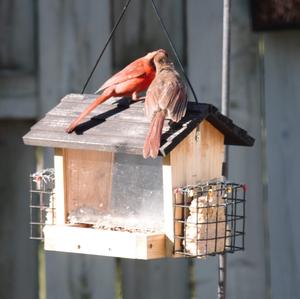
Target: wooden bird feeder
108 199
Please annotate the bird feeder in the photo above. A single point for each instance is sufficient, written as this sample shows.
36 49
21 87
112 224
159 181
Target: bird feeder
109 200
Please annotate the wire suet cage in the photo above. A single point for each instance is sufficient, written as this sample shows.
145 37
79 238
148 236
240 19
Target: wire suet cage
209 219
42 206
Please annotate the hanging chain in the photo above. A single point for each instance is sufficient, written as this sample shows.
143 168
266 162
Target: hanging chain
106 44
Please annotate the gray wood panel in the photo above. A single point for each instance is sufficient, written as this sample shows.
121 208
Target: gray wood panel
248 271
204 64
18 59
18 254
140 31
75 276
160 279
16 22
71 34
282 100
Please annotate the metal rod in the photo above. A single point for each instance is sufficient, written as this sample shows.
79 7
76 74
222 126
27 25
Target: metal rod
226 58
225 110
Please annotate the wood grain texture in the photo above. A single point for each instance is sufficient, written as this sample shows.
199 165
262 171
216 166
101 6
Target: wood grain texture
76 32
16 22
140 31
88 178
155 279
203 150
79 276
60 187
107 243
18 254
204 61
282 100
18 78
246 164
117 127
71 34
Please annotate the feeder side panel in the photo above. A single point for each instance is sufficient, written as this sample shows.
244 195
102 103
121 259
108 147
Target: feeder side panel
59 186
88 182
168 204
198 157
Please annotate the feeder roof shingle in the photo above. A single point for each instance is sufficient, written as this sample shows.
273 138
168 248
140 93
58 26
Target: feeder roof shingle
116 126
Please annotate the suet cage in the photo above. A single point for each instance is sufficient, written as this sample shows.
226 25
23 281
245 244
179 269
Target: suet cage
42 205
209 218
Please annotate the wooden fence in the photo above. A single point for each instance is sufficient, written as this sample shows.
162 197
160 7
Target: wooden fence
48 48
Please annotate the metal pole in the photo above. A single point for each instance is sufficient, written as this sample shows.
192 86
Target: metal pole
225 111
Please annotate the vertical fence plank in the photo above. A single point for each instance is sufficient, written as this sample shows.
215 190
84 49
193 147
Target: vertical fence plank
167 278
139 33
204 29
71 34
73 276
204 64
282 97
245 164
18 254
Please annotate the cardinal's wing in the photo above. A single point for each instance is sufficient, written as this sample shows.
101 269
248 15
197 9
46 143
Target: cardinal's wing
133 70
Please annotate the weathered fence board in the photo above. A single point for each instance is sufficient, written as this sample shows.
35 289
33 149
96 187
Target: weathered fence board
18 254
75 276
71 36
161 279
282 99
246 165
204 61
17 59
139 33
75 32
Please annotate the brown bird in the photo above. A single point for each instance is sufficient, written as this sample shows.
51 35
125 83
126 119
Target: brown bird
134 78
166 97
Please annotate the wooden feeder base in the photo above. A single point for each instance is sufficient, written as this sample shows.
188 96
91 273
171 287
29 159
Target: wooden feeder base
67 238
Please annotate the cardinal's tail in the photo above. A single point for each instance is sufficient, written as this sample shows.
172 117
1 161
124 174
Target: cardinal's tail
102 98
152 142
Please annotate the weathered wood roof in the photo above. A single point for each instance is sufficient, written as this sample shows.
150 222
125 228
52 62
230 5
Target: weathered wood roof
119 127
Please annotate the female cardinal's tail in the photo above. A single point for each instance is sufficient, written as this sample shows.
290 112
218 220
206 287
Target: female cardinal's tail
91 107
152 142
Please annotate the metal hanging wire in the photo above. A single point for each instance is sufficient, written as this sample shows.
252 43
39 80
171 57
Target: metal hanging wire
173 48
167 36
106 44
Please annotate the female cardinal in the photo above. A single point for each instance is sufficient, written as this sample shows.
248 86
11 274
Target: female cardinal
134 78
166 97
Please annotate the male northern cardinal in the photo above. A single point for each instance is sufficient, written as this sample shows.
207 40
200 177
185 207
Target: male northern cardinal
165 97
134 78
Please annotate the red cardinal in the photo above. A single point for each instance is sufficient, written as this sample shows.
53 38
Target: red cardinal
134 78
166 97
